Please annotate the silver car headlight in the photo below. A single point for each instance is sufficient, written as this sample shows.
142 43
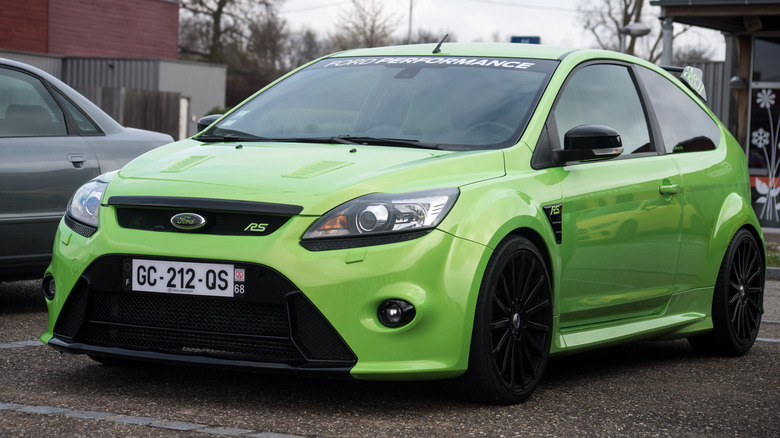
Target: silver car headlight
383 215
84 205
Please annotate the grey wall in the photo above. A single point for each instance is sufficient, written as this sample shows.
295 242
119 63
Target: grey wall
203 84
85 73
48 63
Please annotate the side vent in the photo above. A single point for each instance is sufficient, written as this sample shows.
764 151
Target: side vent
554 214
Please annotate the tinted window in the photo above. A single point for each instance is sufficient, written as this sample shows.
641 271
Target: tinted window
604 95
26 107
459 101
82 121
685 127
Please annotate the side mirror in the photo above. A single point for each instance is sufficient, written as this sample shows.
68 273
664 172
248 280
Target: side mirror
589 143
205 121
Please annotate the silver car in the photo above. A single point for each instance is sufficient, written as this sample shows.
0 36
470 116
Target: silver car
52 140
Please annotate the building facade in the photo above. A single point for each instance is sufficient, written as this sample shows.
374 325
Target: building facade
122 54
92 28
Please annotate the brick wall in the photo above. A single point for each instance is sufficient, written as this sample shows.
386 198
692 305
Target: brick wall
113 28
23 25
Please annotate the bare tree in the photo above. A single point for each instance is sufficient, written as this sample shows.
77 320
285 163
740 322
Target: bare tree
247 35
604 19
222 21
305 46
365 25
268 44
194 40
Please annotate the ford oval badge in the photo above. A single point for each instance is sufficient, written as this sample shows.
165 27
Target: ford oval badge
188 221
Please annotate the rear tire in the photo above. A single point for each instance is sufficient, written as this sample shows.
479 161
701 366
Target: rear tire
737 302
510 343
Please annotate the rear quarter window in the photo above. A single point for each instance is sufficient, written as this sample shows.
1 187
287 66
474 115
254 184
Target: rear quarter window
685 126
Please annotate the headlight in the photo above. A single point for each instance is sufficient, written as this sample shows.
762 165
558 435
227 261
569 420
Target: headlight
385 214
84 205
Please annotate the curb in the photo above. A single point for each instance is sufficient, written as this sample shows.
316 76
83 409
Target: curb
772 273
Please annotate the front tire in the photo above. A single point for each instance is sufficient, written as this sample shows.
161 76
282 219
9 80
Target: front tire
737 302
510 343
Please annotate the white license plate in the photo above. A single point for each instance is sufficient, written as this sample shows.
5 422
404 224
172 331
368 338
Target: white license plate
212 279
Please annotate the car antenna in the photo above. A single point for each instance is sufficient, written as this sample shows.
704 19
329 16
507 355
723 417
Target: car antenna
438 46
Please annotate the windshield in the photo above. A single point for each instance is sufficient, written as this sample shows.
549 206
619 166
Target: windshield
446 102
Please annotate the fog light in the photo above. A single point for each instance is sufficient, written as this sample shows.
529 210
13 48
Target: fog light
395 313
49 287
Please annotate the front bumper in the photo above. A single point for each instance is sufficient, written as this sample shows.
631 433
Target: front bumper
306 311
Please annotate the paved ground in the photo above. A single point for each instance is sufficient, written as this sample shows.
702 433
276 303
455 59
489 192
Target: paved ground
642 389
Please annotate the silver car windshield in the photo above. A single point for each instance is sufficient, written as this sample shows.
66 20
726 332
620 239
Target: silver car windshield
444 102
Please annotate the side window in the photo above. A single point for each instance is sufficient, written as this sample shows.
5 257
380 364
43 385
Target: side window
26 107
685 127
82 121
604 94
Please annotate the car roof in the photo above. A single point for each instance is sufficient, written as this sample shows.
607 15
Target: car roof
515 50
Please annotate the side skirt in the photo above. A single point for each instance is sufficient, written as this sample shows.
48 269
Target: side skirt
687 313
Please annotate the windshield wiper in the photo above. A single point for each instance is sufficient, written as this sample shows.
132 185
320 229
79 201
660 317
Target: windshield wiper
383 141
361 140
342 139
230 136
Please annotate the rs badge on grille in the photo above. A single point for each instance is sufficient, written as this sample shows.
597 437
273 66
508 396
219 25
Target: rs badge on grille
188 221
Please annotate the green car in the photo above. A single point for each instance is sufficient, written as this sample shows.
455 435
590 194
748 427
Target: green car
462 211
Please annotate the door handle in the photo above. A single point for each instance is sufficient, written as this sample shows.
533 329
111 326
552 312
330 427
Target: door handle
669 190
77 160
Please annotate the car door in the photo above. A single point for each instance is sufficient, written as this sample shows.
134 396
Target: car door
43 162
620 218
691 138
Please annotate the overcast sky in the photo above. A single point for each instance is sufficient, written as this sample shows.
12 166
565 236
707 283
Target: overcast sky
555 21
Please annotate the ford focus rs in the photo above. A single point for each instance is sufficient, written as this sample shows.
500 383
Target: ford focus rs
461 211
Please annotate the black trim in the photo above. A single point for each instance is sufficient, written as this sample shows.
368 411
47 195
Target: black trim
554 214
206 204
218 223
560 58
78 227
672 68
313 335
329 244
58 96
153 356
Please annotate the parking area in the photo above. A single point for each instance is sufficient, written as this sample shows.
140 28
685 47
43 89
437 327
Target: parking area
641 389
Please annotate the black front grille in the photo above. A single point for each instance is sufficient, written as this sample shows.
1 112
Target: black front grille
194 313
217 222
272 323
193 343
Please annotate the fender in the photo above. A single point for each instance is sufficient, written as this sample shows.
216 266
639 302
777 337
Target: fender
496 212
735 213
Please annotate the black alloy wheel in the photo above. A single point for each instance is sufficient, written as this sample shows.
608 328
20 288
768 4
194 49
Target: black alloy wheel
737 303
513 325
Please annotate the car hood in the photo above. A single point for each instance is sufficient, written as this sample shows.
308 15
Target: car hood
317 177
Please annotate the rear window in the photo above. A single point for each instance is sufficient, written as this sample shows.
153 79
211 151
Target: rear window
685 127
